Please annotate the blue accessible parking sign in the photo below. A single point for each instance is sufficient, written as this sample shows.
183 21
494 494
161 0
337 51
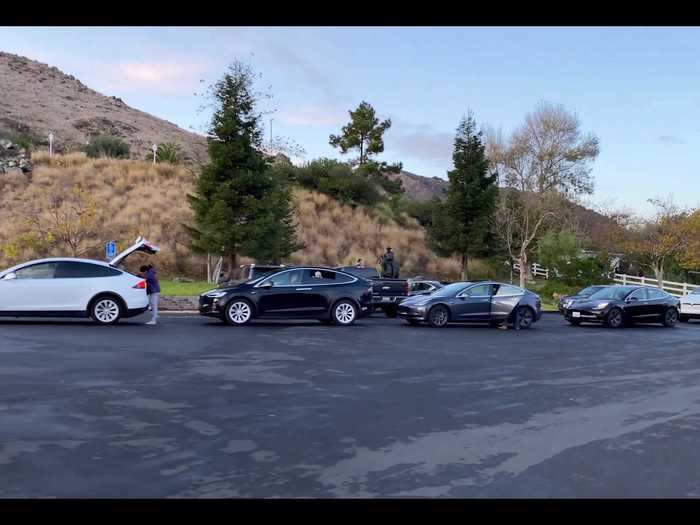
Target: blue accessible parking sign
110 249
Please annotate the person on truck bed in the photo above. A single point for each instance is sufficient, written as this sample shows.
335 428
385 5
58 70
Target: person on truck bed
390 269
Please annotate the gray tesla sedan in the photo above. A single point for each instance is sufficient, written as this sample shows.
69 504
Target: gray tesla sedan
474 302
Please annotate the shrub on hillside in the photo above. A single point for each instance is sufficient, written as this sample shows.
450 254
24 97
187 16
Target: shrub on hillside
167 152
105 145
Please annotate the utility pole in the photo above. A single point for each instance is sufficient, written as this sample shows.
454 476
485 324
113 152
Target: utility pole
155 148
271 134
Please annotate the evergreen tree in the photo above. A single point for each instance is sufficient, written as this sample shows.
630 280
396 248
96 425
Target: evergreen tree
239 207
461 225
364 132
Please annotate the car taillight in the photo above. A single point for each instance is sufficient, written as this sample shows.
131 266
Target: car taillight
141 285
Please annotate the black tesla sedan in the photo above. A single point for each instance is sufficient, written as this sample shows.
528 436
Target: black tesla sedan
618 305
484 301
586 292
319 293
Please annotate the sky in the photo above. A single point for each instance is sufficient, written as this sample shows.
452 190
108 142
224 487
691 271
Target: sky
637 89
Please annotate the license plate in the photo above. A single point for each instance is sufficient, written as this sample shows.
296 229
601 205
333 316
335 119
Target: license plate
386 299
576 314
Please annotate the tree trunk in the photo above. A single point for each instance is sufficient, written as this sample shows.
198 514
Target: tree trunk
524 270
465 266
659 273
209 280
231 266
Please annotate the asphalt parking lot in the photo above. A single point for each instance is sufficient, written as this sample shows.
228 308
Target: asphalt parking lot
193 408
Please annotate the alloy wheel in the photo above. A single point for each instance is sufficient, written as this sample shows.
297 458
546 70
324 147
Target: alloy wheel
345 313
106 311
239 312
525 318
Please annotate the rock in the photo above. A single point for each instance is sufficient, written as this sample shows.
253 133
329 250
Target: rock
6 144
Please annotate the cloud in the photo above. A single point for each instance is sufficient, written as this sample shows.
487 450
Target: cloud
311 115
420 141
159 77
670 139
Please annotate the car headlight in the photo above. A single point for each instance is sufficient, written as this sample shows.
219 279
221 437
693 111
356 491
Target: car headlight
600 306
419 308
215 294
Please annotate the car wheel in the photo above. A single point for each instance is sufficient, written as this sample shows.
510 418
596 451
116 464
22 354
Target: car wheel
344 313
524 317
238 312
106 310
614 318
438 316
670 317
683 318
391 312
574 322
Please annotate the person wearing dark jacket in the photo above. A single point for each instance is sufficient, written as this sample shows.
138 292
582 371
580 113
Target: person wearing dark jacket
152 289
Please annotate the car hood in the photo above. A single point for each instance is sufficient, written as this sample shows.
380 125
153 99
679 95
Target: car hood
417 300
585 304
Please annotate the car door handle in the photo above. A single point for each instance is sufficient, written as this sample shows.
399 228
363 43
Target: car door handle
303 289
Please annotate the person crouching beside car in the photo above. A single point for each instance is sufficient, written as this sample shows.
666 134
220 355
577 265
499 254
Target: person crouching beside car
152 289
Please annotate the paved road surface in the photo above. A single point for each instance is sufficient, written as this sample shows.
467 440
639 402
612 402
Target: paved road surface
296 409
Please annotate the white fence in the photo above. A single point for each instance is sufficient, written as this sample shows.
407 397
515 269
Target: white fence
674 288
537 270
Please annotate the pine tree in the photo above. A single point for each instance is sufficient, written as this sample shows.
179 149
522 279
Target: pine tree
461 226
239 207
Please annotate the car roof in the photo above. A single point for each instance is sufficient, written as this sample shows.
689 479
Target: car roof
56 259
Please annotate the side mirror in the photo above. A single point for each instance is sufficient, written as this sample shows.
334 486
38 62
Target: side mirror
631 299
10 276
266 285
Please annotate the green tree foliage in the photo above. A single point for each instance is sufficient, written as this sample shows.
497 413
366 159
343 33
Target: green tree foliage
461 226
561 252
364 132
168 152
333 178
105 145
240 207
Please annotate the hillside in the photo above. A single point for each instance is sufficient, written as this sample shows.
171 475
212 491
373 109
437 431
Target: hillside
421 188
36 98
121 199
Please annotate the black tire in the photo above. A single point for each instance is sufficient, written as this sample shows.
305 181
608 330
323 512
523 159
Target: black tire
495 324
575 322
106 310
614 319
670 318
683 318
391 311
523 318
438 316
344 313
238 312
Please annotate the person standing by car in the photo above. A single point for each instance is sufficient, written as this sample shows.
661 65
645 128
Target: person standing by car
152 289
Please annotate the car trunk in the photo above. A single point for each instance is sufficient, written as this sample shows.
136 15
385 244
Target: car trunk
141 245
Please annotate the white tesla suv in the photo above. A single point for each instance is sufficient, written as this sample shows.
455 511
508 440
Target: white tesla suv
690 306
68 287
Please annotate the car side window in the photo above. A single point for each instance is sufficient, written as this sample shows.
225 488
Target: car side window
312 276
639 295
420 287
655 294
288 278
479 290
505 289
37 271
80 270
342 278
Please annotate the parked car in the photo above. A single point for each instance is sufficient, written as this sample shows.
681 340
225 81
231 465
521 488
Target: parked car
483 302
690 306
568 300
423 287
71 287
386 293
309 292
618 305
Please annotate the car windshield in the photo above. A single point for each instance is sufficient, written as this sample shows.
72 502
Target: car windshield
612 293
450 289
590 290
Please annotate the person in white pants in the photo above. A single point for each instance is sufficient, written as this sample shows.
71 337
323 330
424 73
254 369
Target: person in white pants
152 289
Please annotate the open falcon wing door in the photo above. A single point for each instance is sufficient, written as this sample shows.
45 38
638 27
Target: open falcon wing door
141 245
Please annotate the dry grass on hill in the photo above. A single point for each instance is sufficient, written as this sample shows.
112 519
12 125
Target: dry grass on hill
131 198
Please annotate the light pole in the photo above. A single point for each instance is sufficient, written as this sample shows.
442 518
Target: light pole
155 148
271 134
51 143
